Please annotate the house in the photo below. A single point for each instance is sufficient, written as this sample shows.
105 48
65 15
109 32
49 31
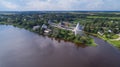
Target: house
61 24
47 30
44 26
110 31
78 30
64 24
100 33
36 27
50 22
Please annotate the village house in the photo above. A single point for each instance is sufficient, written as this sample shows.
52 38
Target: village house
64 24
36 27
45 28
100 33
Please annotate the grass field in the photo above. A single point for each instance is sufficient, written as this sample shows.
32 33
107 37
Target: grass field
115 43
101 17
93 43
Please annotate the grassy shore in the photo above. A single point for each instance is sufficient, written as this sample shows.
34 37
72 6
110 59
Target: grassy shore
113 42
102 17
93 43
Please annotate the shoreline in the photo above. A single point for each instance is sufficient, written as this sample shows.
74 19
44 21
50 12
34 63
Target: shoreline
77 43
105 39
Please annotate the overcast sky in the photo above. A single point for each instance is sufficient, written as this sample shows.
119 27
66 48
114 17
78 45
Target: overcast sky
59 5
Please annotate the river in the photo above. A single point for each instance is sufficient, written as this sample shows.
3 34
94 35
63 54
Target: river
22 48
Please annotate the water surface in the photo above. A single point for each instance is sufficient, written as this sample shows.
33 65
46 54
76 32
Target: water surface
21 48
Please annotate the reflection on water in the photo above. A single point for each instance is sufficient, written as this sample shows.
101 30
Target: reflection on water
21 48
77 44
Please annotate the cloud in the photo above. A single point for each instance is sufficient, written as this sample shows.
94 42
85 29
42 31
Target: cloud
9 5
47 5
31 5
63 4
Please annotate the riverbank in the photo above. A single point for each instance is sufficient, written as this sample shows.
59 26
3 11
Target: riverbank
61 34
115 43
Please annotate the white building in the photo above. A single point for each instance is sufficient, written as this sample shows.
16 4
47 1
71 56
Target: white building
50 22
100 33
110 31
36 27
44 26
61 24
78 30
47 31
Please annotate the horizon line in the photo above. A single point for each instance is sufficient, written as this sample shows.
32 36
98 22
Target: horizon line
64 11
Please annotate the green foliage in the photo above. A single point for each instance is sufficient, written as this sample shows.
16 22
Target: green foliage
116 43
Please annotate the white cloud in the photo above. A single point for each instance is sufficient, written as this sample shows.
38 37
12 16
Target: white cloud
47 5
9 5
28 5
63 4
92 4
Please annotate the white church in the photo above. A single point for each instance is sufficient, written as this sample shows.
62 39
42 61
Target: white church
78 30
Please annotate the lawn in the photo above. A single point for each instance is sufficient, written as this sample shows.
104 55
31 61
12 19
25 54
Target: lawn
115 36
102 17
93 43
115 43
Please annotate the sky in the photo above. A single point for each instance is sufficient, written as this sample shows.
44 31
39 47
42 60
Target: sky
59 5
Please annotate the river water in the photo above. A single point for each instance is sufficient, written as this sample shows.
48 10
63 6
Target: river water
21 48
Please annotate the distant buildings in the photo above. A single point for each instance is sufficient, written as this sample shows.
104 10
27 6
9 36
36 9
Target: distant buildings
78 30
64 24
10 20
103 32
